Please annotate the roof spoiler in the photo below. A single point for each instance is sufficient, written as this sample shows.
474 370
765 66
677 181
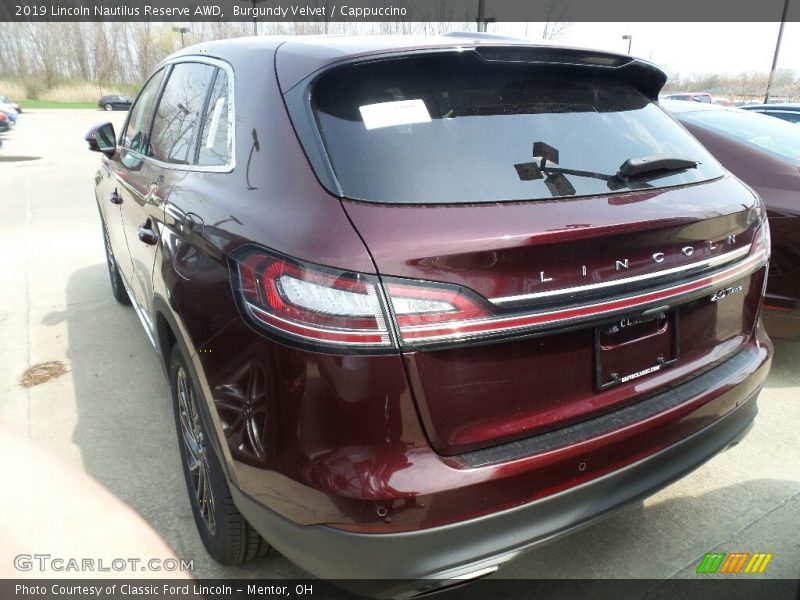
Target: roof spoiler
643 75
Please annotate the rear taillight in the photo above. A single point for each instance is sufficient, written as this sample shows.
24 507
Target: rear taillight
426 311
307 303
329 309
423 303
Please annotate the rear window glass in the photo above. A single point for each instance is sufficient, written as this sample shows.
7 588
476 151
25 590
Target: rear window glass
779 138
449 127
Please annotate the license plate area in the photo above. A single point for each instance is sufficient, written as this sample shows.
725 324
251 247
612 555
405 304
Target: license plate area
632 347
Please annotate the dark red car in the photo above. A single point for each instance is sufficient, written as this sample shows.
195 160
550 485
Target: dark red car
764 153
427 303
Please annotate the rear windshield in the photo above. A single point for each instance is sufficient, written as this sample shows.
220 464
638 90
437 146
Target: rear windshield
775 136
450 128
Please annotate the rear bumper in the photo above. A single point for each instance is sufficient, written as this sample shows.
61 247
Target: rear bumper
402 564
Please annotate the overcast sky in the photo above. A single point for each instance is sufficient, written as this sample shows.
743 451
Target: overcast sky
685 47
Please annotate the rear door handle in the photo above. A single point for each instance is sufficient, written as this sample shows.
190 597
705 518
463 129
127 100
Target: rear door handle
115 198
146 233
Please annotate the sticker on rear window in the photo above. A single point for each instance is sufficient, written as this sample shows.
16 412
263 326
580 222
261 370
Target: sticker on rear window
389 114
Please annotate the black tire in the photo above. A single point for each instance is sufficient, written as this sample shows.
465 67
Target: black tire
109 107
227 536
117 287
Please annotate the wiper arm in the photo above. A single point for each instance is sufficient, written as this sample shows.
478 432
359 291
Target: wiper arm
633 174
652 163
559 185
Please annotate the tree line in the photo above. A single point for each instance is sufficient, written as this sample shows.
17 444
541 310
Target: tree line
747 86
126 53
45 55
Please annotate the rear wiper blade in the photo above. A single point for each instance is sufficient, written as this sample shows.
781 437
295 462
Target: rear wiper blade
652 163
633 174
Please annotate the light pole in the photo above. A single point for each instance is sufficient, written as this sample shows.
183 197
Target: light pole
777 50
181 30
255 19
481 23
630 40
482 20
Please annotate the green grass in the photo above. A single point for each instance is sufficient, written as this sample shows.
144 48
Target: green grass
26 104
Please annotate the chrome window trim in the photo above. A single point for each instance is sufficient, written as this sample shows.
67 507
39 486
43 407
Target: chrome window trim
610 285
213 62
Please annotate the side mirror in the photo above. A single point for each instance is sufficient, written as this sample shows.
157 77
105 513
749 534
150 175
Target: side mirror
101 138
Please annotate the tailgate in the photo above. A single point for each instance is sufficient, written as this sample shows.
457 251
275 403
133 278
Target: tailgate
552 244
611 298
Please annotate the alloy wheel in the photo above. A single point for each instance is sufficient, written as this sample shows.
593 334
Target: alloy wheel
196 450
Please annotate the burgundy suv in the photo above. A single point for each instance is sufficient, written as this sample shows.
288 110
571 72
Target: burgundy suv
440 298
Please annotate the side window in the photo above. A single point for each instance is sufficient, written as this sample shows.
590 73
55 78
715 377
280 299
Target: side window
215 138
178 113
135 136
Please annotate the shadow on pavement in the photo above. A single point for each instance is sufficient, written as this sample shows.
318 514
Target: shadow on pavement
125 428
785 364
